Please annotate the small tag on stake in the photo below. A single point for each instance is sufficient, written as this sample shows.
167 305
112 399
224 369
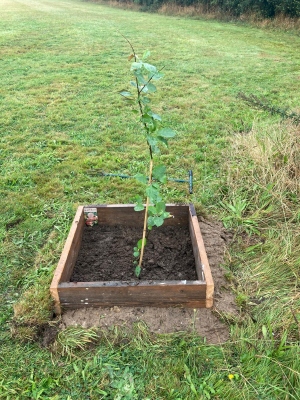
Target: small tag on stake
90 216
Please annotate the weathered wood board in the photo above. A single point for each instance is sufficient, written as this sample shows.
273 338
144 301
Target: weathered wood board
195 294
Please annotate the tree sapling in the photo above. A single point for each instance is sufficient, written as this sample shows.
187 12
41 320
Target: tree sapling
143 87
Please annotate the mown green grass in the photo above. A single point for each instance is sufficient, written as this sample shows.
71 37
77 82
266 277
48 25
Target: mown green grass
62 65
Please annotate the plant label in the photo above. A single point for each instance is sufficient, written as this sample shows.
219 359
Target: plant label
90 216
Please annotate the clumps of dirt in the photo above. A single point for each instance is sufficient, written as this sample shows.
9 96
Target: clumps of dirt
44 334
48 334
158 320
169 254
205 322
216 239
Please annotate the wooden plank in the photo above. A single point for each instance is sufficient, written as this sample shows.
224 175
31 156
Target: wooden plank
125 294
209 303
198 262
168 285
72 247
84 294
68 257
200 253
180 215
188 304
124 214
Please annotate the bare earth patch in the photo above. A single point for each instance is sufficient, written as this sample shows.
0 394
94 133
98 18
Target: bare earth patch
168 320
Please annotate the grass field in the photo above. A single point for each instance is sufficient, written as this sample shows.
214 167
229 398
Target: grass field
62 66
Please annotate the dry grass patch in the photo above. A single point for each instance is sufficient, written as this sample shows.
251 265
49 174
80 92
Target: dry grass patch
263 175
271 157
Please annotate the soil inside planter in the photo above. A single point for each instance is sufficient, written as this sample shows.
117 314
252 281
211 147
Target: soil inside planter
106 254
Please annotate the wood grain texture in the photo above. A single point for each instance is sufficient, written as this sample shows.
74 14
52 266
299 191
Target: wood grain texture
200 249
196 251
124 214
68 257
156 295
188 304
168 285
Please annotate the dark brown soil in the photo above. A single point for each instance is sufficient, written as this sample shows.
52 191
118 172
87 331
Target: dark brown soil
106 254
48 334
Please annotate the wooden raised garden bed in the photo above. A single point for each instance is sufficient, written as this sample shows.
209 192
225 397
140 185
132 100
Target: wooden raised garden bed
196 292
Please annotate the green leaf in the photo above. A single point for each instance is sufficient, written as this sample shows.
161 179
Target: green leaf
137 271
155 149
138 199
166 133
139 207
146 54
165 215
155 185
160 207
152 210
154 116
159 173
150 222
146 109
147 119
145 100
150 68
153 193
153 126
160 138
140 78
156 76
151 140
140 243
158 221
141 178
136 66
125 93
151 88
136 253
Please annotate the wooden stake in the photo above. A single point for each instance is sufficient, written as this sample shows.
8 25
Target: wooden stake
146 216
